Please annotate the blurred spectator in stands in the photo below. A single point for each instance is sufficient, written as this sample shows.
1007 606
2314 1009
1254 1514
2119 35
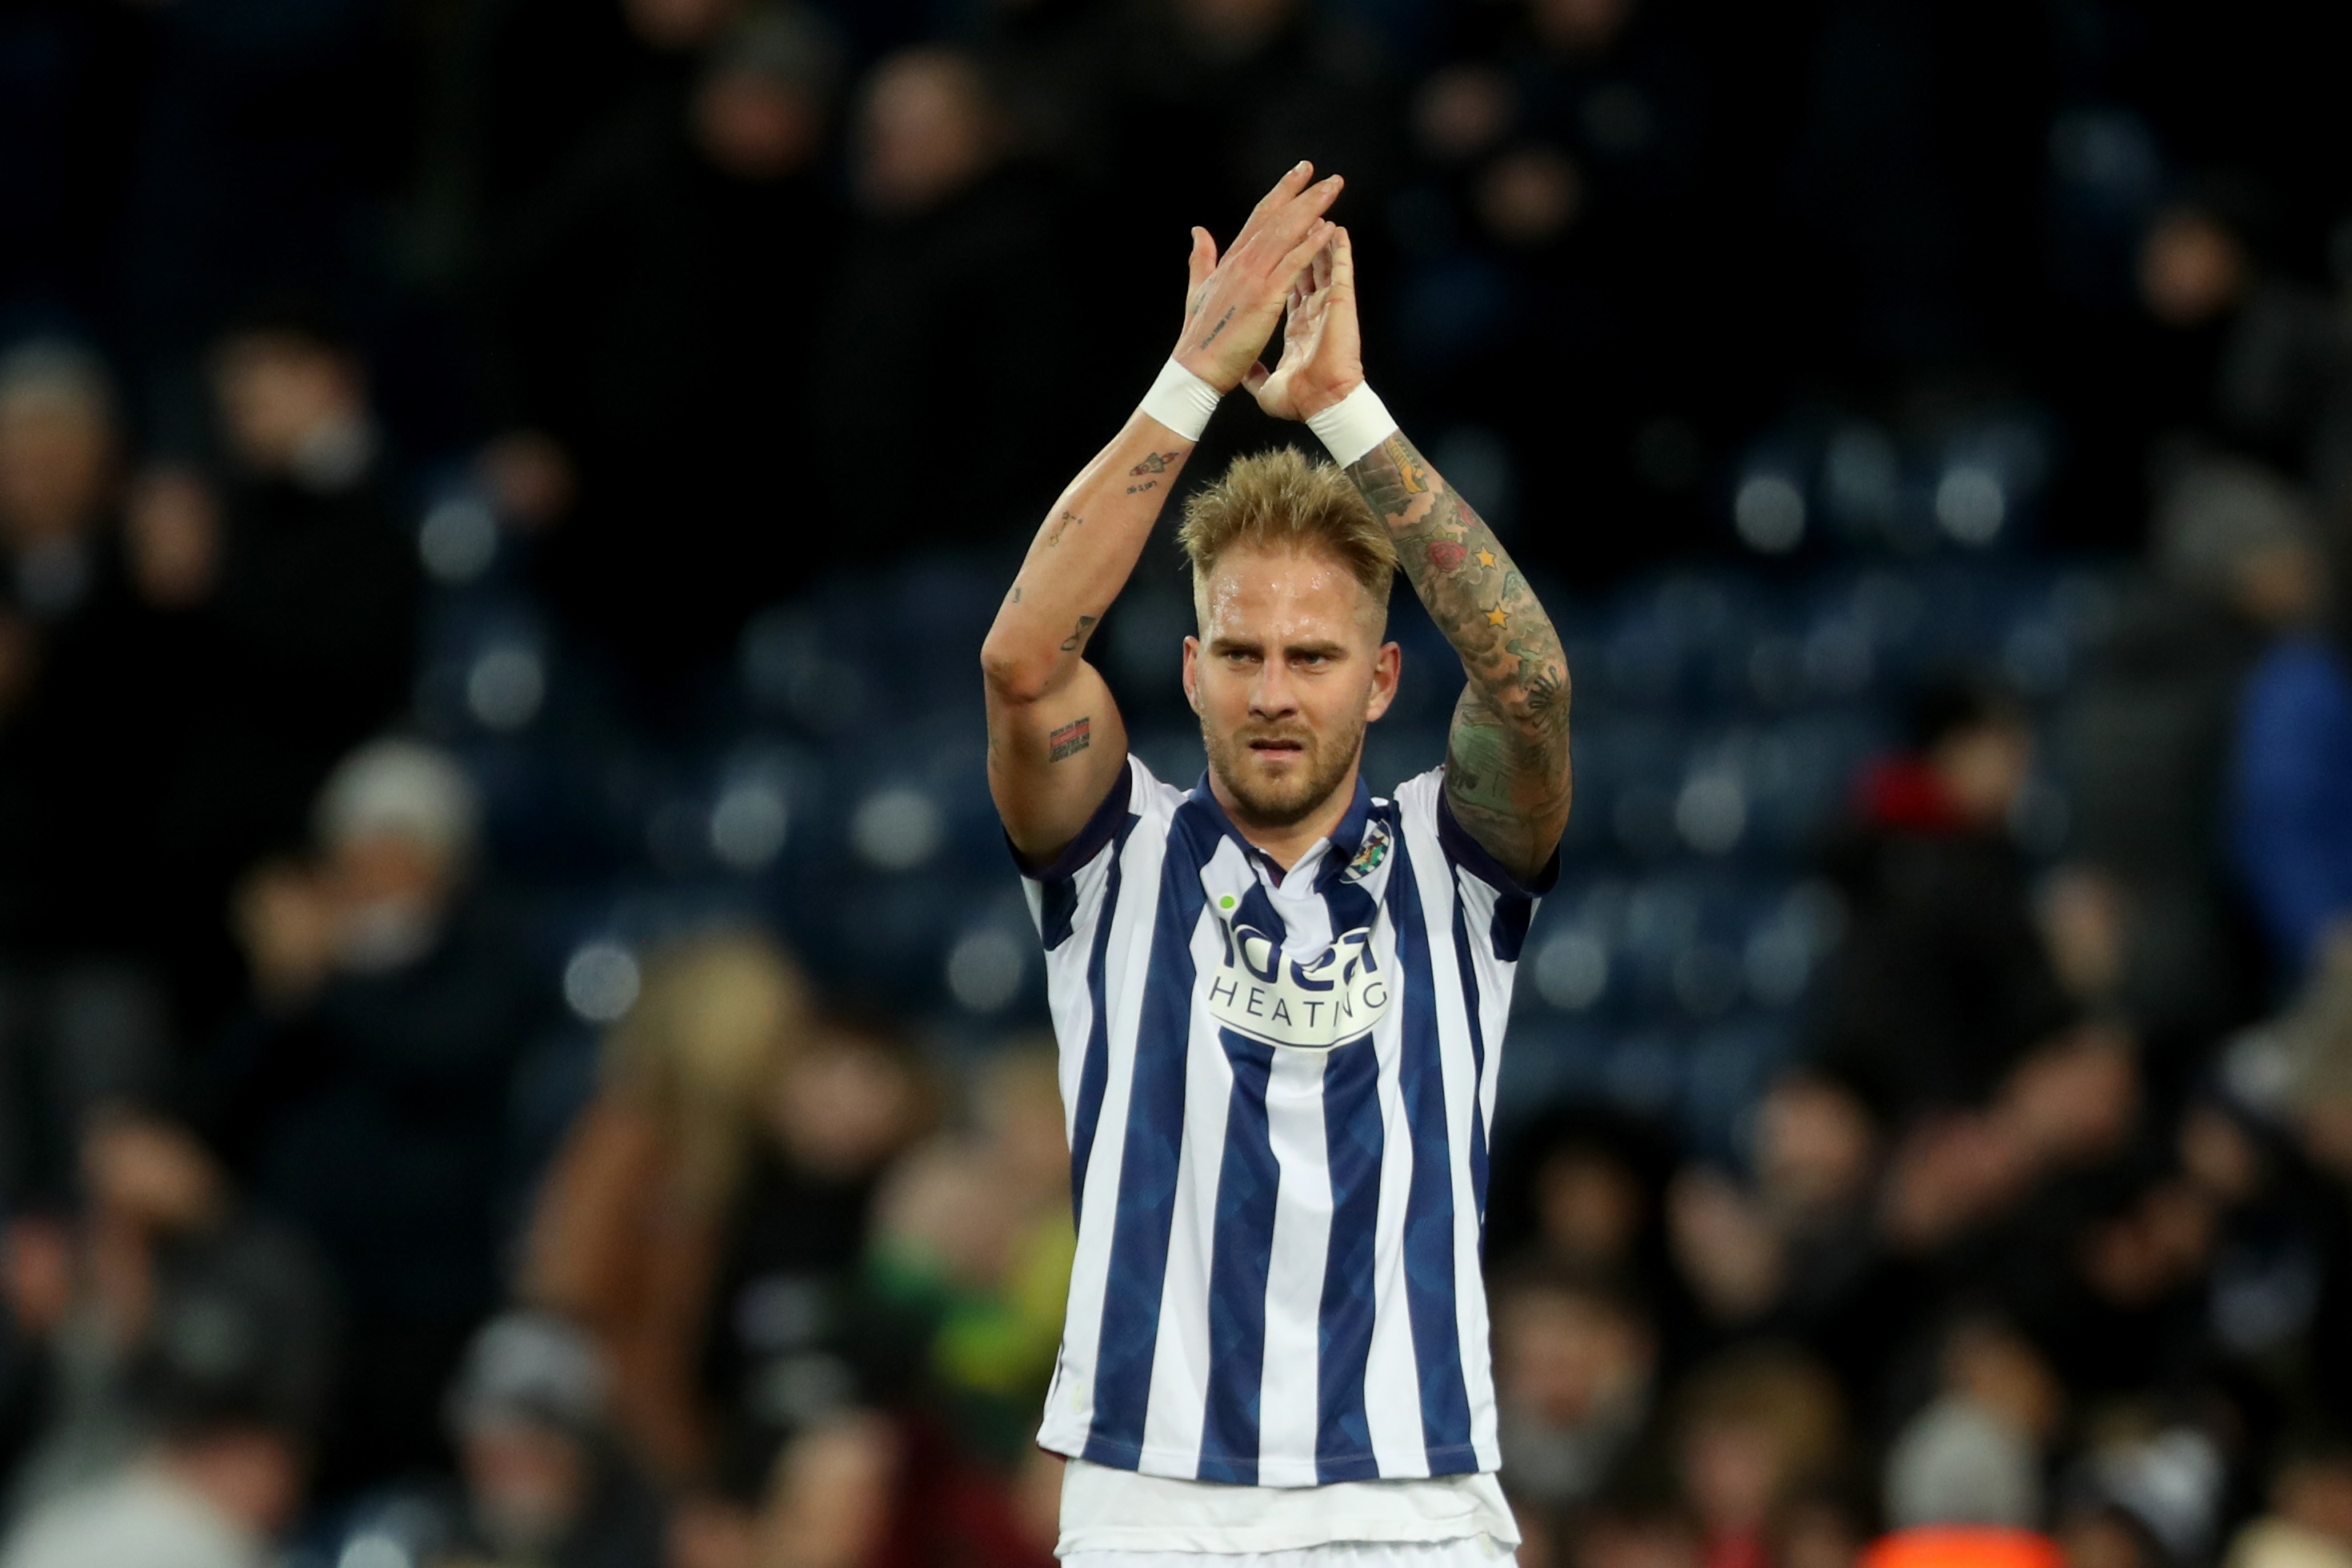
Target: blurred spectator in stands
1045 58
536 80
540 1479
1218 97
1581 1185
941 418
1551 222
295 593
2141 918
265 139
655 303
2308 1520
1576 1360
2286 379
1976 1453
191 1350
788 1339
2291 811
58 480
626 1236
1753 1429
366 1092
1943 983
973 1237
80 1019
2138 381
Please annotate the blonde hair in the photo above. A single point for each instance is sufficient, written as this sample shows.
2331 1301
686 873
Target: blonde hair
721 1012
1281 500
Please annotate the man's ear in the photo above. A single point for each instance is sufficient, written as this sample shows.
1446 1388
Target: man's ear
1192 673
1388 665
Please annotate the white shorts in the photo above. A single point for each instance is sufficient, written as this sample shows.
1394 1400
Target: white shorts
1463 1552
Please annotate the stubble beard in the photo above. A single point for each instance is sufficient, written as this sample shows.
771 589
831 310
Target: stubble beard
1284 803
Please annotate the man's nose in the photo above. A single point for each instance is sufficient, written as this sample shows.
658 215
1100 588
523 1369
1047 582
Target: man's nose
1272 696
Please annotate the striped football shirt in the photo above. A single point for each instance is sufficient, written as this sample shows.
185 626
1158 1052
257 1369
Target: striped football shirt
1278 1089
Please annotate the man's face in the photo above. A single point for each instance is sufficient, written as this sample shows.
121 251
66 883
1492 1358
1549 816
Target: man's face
55 453
1287 670
275 390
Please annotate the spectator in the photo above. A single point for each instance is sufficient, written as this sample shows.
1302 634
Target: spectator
1944 983
628 1235
212 1336
973 1234
1753 1429
540 1479
931 332
2141 920
656 299
366 1092
1974 1455
298 595
790 1338
2292 796
2308 1521
1581 1185
1576 1365
80 729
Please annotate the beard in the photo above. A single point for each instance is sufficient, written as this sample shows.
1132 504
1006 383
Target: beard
1268 798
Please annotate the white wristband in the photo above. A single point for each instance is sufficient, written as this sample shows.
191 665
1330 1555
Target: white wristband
1354 426
1181 401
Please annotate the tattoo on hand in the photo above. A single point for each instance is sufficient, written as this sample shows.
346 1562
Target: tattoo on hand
1061 526
1223 321
1078 639
1146 485
1069 740
1153 463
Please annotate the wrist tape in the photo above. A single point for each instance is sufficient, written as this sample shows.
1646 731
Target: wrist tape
1354 426
1181 401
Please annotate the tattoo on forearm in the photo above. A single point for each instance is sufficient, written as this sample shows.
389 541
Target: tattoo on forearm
1078 639
1146 485
1069 740
1061 526
1014 597
1506 771
1153 463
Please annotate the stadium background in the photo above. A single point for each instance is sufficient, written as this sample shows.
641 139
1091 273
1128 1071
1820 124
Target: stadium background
518 1040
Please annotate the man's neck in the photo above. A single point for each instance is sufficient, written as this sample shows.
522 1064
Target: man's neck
1284 846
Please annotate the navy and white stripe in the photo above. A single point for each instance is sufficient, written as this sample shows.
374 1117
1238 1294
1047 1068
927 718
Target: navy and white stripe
1279 1091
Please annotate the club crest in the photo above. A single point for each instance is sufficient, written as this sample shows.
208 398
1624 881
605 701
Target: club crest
1372 855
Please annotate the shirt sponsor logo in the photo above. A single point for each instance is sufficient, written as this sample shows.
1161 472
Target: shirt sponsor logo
1308 1004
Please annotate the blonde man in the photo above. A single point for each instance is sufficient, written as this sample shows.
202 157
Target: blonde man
1279 998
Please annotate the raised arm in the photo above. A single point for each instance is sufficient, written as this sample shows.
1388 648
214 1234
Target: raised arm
1507 775
1055 741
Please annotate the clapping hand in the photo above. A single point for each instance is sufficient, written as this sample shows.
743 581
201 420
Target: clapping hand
1234 302
1322 352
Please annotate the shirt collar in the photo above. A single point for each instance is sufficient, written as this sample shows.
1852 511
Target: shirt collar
1339 848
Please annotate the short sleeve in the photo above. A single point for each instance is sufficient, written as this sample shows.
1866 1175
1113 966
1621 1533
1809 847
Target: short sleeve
1060 888
1495 904
1473 856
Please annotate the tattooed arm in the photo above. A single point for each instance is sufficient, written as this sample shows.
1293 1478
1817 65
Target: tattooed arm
1055 741
1507 774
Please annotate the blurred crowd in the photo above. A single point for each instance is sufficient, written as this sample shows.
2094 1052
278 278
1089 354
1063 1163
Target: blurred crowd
347 1224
